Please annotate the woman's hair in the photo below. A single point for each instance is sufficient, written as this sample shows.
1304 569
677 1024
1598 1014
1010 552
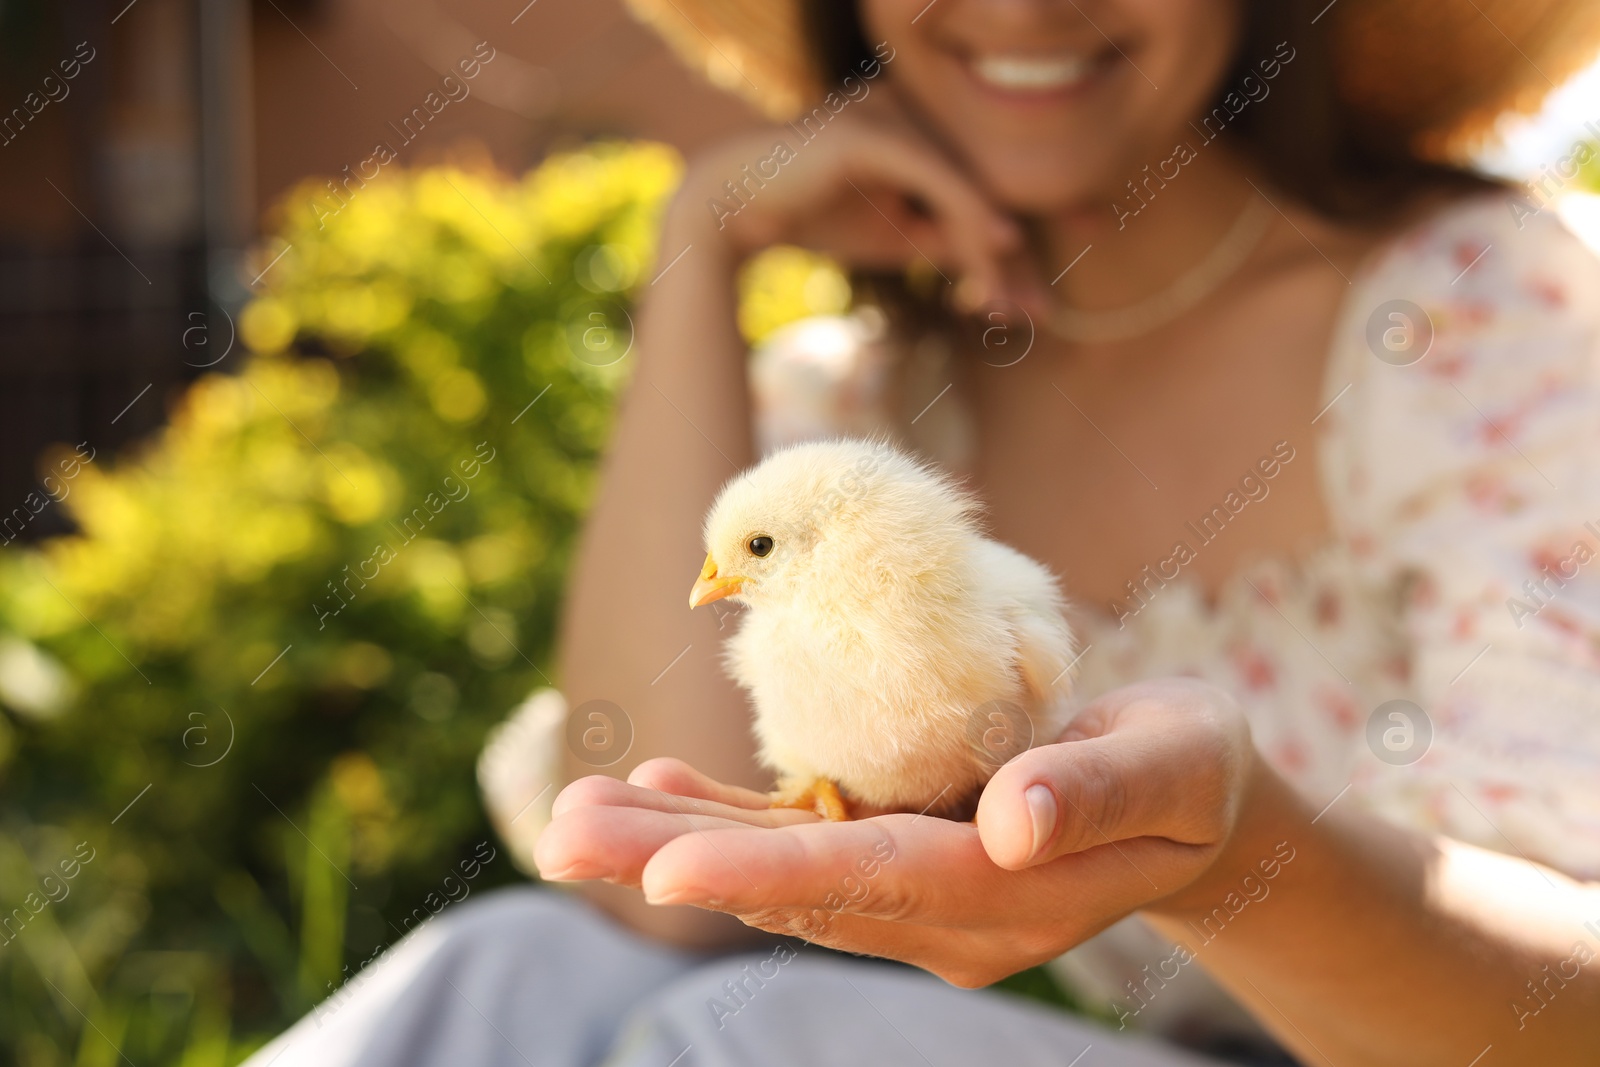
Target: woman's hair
1311 144
1307 141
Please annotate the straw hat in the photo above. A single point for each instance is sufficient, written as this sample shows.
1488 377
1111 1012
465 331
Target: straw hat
1435 73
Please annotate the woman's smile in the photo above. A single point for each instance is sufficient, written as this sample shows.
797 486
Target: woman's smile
1019 78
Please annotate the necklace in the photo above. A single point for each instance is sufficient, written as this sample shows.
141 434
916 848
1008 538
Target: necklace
1199 282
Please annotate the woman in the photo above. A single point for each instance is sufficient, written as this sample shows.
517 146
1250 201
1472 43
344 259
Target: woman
1305 422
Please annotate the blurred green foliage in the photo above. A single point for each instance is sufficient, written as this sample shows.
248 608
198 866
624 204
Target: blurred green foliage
253 686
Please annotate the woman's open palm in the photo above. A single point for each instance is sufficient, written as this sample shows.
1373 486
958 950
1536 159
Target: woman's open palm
1143 790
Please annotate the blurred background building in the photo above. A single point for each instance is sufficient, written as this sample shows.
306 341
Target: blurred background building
130 189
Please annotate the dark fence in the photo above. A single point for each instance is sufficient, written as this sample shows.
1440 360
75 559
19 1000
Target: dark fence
92 348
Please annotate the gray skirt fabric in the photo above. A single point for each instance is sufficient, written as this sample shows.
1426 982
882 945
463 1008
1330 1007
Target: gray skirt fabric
529 977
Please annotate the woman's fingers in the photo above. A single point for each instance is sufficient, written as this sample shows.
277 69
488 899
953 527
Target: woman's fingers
928 894
773 868
1023 284
901 868
872 192
603 828
978 234
598 790
614 842
675 776
611 843
1165 762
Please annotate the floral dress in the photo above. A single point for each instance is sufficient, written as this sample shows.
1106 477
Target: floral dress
1437 661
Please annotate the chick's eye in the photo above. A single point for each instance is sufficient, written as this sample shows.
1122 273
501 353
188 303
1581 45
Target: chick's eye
760 545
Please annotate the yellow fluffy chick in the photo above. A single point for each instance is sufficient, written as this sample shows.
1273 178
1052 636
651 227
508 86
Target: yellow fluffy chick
893 653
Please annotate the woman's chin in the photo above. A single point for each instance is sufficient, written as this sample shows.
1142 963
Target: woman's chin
1027 181
1052 195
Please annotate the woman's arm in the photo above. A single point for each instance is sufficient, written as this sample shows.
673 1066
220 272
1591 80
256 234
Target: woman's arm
683 429
1374 947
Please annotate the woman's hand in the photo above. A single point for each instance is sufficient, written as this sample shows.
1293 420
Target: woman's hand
867 189
1131 808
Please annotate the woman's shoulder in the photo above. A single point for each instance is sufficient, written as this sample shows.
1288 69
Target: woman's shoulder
1467 356
1485 251
1484 291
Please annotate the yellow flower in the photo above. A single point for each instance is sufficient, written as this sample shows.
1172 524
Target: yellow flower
355 486
784 284
267 324
457 395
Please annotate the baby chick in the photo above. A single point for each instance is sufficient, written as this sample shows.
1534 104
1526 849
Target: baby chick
894 654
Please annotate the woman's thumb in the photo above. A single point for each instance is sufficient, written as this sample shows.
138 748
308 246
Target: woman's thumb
1138 781
1052 801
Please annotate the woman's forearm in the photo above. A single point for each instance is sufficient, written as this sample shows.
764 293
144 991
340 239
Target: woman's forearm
1374 947
628 635
683 429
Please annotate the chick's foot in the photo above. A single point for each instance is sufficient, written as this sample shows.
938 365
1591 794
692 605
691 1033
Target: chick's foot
818 794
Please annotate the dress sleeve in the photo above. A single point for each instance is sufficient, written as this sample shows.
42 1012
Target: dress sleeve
1468 484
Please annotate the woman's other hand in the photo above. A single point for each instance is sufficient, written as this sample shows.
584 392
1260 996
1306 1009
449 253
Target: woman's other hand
866 188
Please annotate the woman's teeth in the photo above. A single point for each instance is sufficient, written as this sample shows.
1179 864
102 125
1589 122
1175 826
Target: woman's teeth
1032 72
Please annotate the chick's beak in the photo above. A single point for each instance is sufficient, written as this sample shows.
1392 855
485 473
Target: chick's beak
710 586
